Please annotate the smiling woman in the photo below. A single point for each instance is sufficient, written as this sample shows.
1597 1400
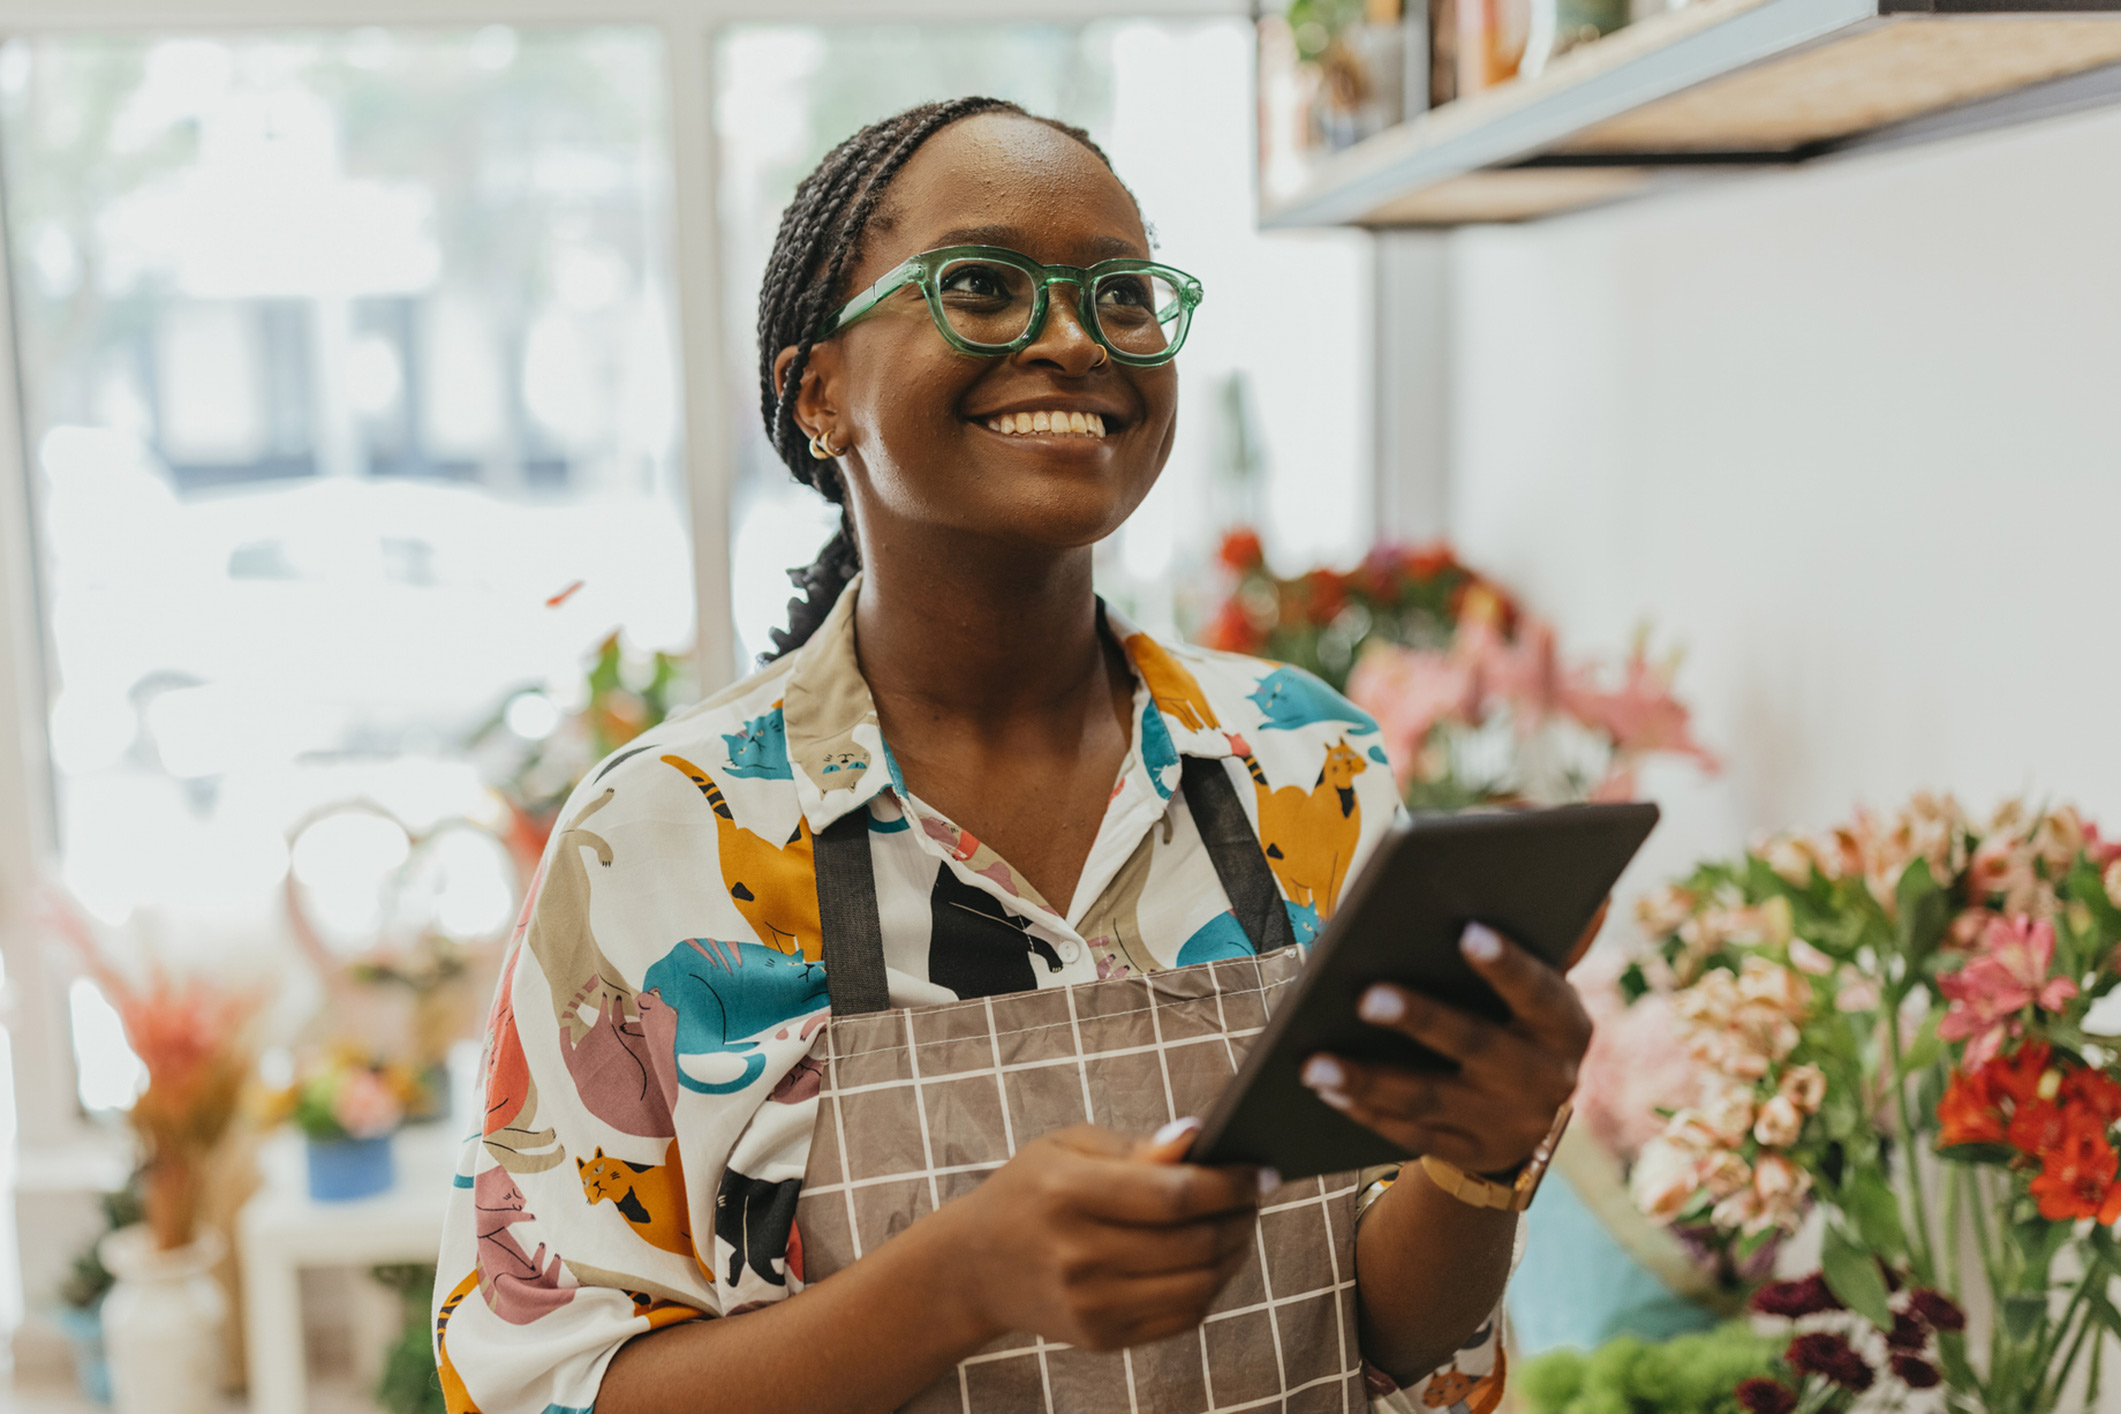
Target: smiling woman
877 1092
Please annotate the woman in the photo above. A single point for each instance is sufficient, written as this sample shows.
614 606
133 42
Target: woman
965 343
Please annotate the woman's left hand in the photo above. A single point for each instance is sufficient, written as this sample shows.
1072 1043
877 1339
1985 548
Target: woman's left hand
1490 1114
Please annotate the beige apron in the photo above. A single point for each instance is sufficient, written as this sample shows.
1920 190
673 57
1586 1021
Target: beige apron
918 1104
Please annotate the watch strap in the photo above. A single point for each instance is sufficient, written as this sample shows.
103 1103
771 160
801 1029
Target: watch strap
1511 1197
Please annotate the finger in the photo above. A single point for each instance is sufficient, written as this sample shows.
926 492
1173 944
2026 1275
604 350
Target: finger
1169 1144
1470 1151
1202 1246
1451 1033
1160 1195
1540 999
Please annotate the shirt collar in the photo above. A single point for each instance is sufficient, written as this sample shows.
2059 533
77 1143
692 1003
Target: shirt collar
837 748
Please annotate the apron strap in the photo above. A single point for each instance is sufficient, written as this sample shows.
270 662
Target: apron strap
854 933
1233 846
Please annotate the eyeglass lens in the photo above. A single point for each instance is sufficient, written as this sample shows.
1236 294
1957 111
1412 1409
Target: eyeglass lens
990 303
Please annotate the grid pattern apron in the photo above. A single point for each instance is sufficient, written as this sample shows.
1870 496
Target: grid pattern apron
918 1104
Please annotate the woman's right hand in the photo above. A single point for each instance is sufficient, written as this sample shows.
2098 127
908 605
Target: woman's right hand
1099 1241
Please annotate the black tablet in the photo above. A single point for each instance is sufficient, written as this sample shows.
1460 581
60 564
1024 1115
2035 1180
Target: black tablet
1536 876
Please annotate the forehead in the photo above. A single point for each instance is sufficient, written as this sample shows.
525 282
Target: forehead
1000 179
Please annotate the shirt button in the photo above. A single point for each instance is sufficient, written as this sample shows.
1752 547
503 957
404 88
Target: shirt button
1070 950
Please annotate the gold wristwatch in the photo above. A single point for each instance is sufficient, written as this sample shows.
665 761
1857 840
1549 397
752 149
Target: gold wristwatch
1512 1197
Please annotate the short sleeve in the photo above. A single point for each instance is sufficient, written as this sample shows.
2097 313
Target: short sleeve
648 1101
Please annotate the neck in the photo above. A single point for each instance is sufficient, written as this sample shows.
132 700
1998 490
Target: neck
981 636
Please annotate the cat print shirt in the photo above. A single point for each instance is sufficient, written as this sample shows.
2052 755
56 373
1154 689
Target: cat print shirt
650 1088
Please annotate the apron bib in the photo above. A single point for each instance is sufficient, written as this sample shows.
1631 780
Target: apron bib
918 1104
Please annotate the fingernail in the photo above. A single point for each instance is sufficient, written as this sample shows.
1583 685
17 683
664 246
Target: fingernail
1480 942
1175 1129
1269 1180
1335 1098
1324 1073
1381 1006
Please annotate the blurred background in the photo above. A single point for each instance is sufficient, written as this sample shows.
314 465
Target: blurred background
379 447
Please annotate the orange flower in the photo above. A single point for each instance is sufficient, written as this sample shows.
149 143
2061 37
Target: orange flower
1328 594
1232 630
1968 1111
2076 1179
2093 1092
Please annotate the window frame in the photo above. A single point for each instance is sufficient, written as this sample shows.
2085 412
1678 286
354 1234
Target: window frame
45 1083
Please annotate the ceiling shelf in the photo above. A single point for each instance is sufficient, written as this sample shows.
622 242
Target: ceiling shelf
1718 87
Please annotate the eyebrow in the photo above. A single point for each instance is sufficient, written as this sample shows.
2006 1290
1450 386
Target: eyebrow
1104 247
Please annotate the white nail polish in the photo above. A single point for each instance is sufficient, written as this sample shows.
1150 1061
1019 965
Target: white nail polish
1480 942
1174 1130
1381 1006
1324 1073
1334 1098
1269 1180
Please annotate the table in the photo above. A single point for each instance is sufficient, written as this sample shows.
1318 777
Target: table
281 1231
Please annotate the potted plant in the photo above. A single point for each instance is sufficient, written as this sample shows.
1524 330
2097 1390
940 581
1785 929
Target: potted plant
347 1106
79 1310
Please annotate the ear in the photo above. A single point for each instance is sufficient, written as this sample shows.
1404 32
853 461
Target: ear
817 401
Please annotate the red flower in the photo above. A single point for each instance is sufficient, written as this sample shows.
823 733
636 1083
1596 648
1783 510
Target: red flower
2016 1077
1908 1333
1232 630
1328 594
2038 1128
1760 1395
1938 1310
1829 1355
1915 1372
1807 1296
1240 551
2076 1178
1968 1112
2093 1092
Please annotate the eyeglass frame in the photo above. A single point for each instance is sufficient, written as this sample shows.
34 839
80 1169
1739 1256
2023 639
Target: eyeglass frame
926 270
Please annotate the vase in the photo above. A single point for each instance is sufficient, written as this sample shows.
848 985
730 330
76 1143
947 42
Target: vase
162 1324
341 1170
83 1328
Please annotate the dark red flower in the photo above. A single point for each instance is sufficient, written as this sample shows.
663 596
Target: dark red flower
1807 1296
1915 1372
1829 1355
1908 1333
1934 1307
1760 1395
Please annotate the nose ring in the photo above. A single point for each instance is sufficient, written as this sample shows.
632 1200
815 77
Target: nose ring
1104 357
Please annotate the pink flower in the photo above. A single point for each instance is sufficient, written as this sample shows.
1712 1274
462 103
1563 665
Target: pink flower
365 1107
1665 1179
1808 959
1858 994
1804 1086
1409 693
1779 1124
1640 716
2113 882
1990 990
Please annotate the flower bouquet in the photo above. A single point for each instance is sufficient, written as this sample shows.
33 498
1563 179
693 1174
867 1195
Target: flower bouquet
1901 1020
1475 704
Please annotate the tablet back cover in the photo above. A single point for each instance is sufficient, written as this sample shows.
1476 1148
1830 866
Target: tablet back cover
1536 876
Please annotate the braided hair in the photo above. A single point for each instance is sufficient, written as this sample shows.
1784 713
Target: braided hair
819 240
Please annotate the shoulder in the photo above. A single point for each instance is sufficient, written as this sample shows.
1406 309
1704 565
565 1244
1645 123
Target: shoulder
736 734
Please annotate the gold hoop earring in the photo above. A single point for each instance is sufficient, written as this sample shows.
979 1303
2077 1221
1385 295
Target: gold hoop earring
821 447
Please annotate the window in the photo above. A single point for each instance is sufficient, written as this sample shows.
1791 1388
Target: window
351 406
1275 415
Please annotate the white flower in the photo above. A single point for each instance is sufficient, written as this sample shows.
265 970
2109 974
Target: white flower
1779 1124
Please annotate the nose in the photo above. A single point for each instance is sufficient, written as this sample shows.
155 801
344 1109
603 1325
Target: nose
1064 344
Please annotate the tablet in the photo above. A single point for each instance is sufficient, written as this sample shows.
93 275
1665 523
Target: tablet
1535 876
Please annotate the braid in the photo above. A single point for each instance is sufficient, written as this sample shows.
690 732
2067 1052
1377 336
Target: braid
820 238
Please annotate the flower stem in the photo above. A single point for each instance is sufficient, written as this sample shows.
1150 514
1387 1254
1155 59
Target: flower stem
1923 1251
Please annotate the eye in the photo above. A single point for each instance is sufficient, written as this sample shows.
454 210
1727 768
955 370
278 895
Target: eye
1124 291
982 282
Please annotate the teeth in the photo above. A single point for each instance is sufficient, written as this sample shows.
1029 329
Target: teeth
1069 424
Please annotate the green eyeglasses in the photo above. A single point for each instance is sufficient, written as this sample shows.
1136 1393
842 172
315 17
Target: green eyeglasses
988 301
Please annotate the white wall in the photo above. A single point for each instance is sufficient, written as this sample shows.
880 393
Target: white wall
1853 435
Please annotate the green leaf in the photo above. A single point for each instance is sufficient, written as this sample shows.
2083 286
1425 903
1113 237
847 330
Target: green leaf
1922 909
2023 1312
1633 985
1926 1049
1977 1153
1869 1199
1852 1274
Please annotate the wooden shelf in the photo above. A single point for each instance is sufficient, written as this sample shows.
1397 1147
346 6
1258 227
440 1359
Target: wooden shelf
1719 87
